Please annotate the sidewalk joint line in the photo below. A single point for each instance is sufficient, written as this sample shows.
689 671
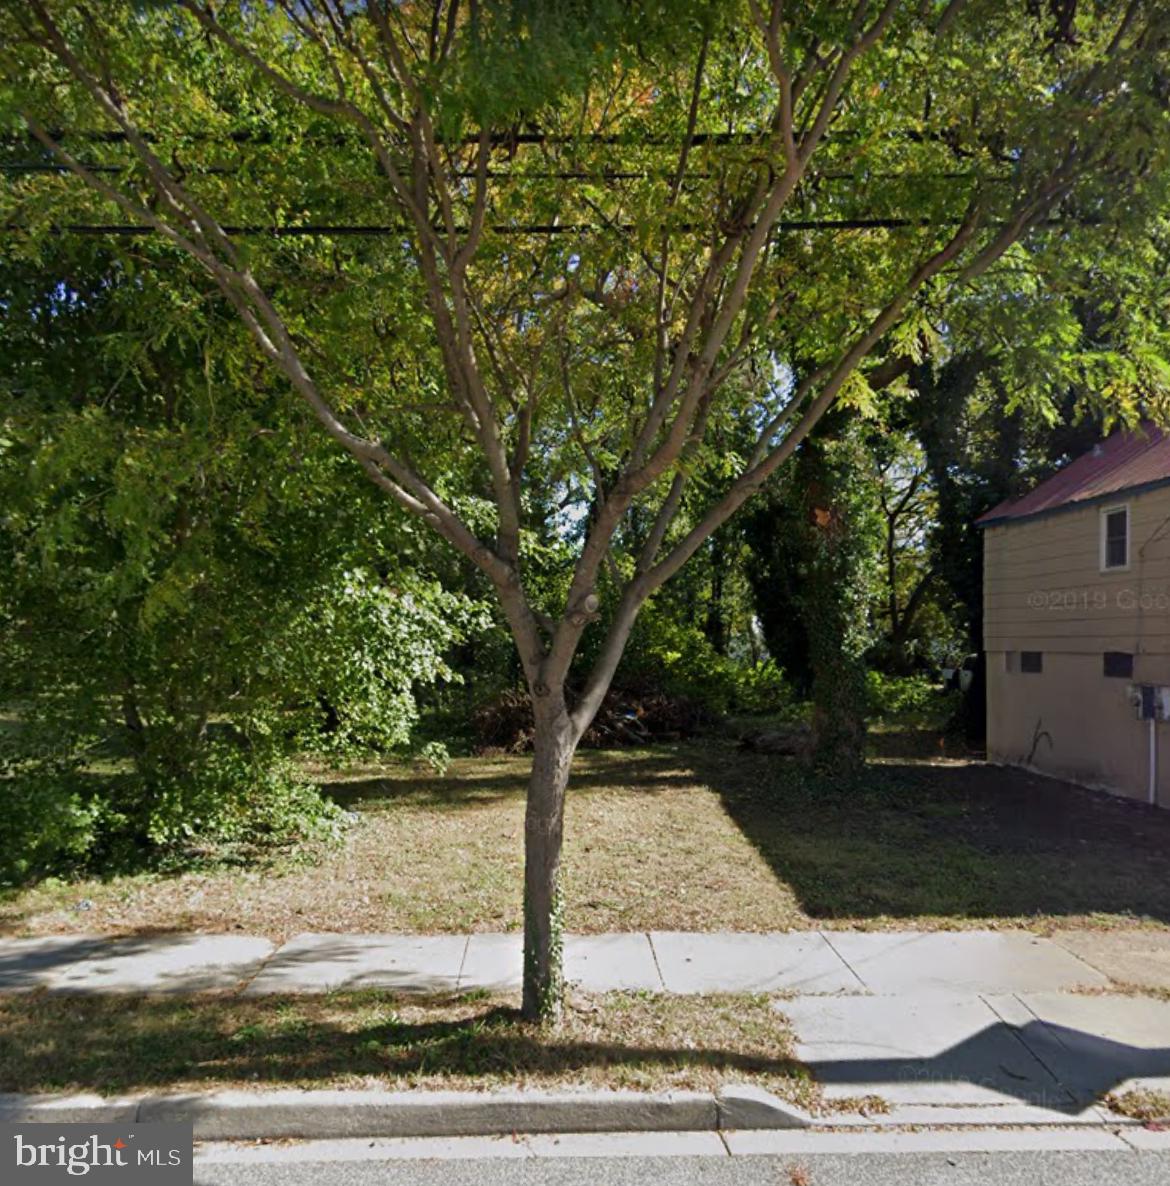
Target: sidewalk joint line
245 982
657 965
1076 955
1043 1024
849 967
462 965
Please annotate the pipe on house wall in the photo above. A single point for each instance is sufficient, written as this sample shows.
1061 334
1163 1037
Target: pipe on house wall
1152 789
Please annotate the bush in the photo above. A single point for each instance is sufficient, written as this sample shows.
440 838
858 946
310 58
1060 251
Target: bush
47 827
893 695
762 688
61 818
677 660
234 799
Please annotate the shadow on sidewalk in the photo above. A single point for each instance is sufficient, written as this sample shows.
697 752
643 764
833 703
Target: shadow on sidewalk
1045 1065
24 963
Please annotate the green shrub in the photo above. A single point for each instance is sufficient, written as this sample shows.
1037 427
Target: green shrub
235 798
678 660
162 700
61 818
762 688
48 826
893 695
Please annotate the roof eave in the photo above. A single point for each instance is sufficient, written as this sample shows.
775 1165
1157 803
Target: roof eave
1074 504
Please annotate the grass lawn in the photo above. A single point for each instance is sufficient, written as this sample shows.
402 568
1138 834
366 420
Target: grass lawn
691 837
375 1040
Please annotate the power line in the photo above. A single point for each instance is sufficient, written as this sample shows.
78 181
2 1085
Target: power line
537 174
498 139
358 230
505 139
361 230
545 174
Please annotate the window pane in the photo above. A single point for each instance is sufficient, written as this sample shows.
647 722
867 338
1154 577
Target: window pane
1032 662
1116 534
1118 665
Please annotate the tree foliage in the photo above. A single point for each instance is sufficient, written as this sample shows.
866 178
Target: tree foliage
192 589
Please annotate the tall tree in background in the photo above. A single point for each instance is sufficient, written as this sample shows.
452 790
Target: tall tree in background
908 506
607 225
815 542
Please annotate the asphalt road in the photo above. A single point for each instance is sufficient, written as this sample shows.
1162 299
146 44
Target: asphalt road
1058 1168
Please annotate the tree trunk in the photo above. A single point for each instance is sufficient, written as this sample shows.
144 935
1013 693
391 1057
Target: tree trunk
553 746
716 608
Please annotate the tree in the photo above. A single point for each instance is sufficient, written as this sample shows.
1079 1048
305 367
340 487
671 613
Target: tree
908 507
815 540
609 226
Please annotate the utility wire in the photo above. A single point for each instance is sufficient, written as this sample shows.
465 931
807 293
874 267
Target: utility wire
537 174
360 230
500 139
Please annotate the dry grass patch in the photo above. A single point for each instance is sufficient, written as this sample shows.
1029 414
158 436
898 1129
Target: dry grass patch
1144 1104
378 1040
1123 988
861 1105
648 846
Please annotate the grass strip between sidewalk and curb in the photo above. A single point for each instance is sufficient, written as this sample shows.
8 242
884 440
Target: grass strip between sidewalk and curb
378 1040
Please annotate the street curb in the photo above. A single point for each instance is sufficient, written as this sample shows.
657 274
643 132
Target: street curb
742 1105
243 1115
68 1109
237 1115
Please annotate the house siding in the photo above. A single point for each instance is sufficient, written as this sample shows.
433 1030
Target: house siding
1044 591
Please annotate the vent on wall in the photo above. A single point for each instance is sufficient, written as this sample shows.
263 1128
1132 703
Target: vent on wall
1118 665
1031 662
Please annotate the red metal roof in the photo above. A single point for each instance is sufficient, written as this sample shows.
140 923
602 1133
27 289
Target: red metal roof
1128 458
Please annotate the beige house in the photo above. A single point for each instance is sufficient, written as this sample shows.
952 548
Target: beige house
1076 584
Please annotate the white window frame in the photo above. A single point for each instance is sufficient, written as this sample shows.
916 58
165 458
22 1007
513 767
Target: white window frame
1103 520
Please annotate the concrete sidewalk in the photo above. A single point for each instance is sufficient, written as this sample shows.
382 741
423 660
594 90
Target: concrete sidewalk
1011 1056
967 963
948 1028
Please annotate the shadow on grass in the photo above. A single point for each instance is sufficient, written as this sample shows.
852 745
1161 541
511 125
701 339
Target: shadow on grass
913 840
466 784
919 840
110 1044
